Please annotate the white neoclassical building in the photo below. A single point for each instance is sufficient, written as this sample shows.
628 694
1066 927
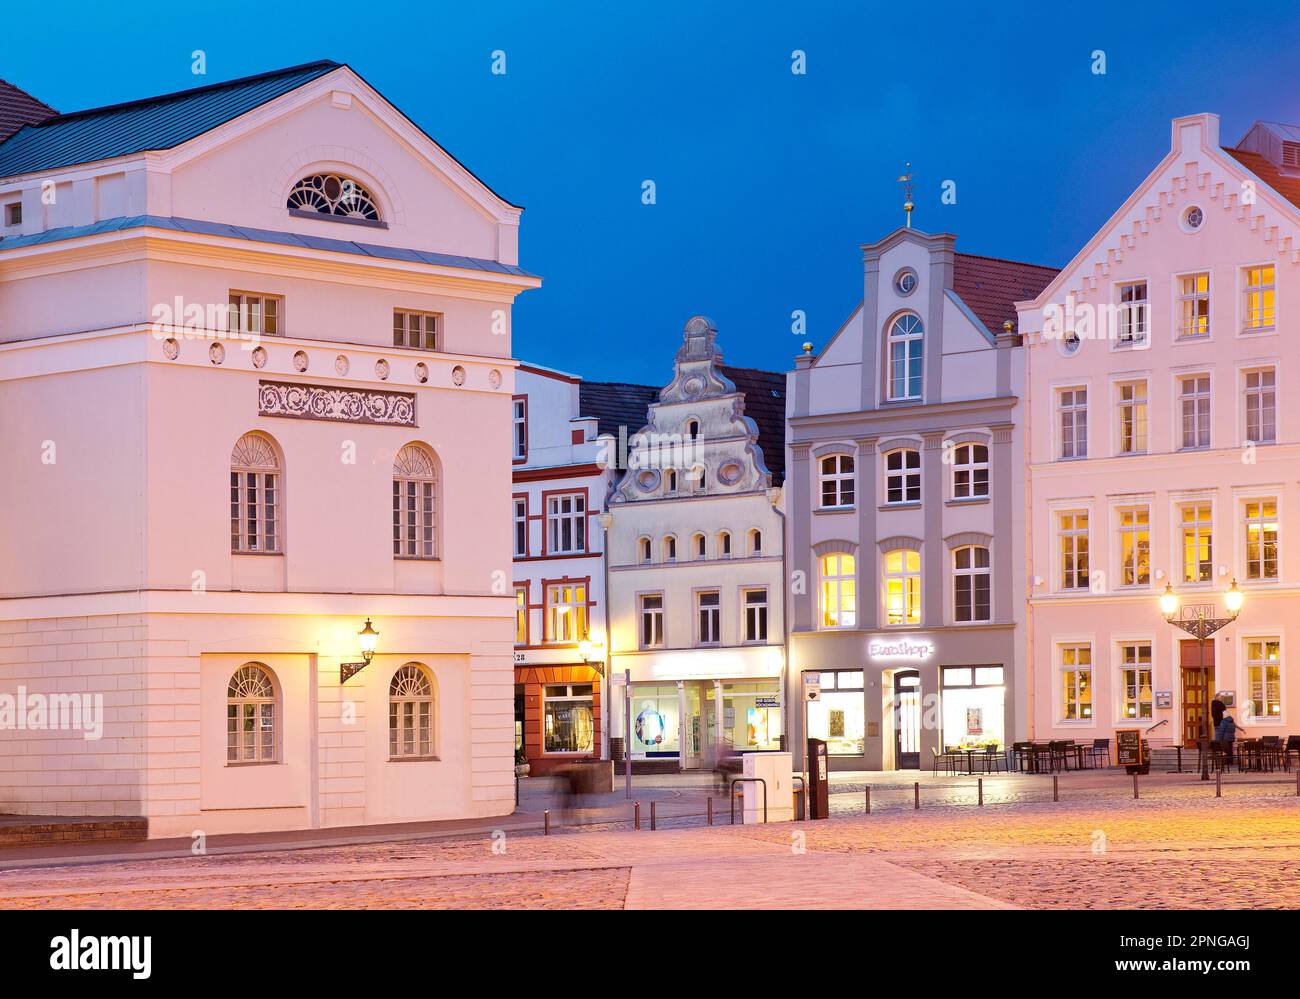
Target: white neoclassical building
696 605
243 330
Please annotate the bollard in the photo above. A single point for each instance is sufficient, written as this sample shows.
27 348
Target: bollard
1135 787
636 815
652 816
916 791
1218 783
1056 788
546 822
1297 784
709 800
981 784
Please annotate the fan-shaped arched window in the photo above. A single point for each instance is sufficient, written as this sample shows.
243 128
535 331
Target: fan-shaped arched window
410 713
332 194
415 497
755 541
250 716
906 352
254 496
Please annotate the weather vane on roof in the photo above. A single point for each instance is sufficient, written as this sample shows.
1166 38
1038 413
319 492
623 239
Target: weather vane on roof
906 181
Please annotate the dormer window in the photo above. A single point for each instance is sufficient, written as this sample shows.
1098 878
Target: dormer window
1291 154
339 198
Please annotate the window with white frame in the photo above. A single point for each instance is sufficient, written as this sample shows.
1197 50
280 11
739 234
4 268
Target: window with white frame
250 716
903 586
410 714
1264 677
708 616
1072 413
1135 680
1194 400
1076 682
520 425
1259 306
839 599
566 612
652 620
837 480
521 526
420 330
1073 535
906 352
1133 315
521 615
755 615
253 313
903 476
415 497
1132 417
254 496
1134 545
566 523
970 471
1261 538
1197 527
1193 306
1260 389
568 717
970 579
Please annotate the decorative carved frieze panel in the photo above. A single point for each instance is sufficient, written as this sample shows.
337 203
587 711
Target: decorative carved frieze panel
336 405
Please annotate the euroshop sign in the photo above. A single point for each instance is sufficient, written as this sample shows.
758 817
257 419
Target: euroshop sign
901 649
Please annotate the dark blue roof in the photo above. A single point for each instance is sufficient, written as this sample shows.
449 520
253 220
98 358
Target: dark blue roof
155 123
261 236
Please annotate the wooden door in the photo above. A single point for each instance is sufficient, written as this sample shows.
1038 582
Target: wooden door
1198 685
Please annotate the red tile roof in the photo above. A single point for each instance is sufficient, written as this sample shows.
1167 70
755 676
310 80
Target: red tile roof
19 108
990 287
1263 168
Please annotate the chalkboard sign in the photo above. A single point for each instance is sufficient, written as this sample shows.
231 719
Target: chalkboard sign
1128 747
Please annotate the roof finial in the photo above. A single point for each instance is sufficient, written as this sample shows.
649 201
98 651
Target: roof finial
906 181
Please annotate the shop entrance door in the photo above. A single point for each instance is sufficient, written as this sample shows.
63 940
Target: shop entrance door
907 720
1198 680
693 726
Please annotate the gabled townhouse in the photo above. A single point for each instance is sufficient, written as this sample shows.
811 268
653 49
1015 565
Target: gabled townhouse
696 608
1163 436
243 331
561 482
905 506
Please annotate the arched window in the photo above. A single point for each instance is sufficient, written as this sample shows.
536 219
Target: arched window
724 544
698 548
643 550
837 480
971 584
332 194
415 497
670 480
839 590
670 549
970 471
906 350
755 541
410 713
692 430
903 587
903 476
250 716
254 495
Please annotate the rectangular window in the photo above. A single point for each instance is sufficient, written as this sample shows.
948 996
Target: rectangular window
755 615
1198 543
839 714
971 588
521 526
903 587
1194 397
970 471
521 615
1261 406
14 213
652 621
1074 550
903 476
420 330
1135 546
412 518
566 524
708 609
1076 682
1072 405
520 423
1194 306
1134 315
1260 303
839 591
566 612
1264 677
1261 539
1132 417
837 480
256 314
254 512
1135 680
568 718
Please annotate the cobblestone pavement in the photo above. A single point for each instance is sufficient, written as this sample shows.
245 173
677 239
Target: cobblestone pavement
1178 846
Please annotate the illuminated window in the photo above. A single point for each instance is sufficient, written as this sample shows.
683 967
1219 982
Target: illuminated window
1194 306
1074 550
903 587
566 612
1134 545
1135 680
1076 682
1260 304
568 718
1264 677
421 330
521 615
839 599
250 716
1261 539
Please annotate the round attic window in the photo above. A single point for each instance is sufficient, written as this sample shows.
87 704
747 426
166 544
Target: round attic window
1192 218
1069 344
905 281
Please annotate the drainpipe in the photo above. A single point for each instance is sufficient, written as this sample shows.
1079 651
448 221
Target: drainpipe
785 643
609 649
1026 423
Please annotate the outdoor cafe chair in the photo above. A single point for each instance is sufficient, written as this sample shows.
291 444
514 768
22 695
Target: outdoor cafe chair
1059 752
1272 748
945 760
1100 750
1292 746
993 756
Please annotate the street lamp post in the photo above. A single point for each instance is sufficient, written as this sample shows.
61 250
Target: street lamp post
1201 627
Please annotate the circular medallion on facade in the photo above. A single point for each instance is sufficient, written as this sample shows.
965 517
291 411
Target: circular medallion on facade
693 388
382 369
342 365
647 480
171 349
421 372
729 473
494 378
300 361
216 353
458 375
259 357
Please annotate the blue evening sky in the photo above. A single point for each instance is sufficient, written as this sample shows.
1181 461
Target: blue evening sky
767 182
